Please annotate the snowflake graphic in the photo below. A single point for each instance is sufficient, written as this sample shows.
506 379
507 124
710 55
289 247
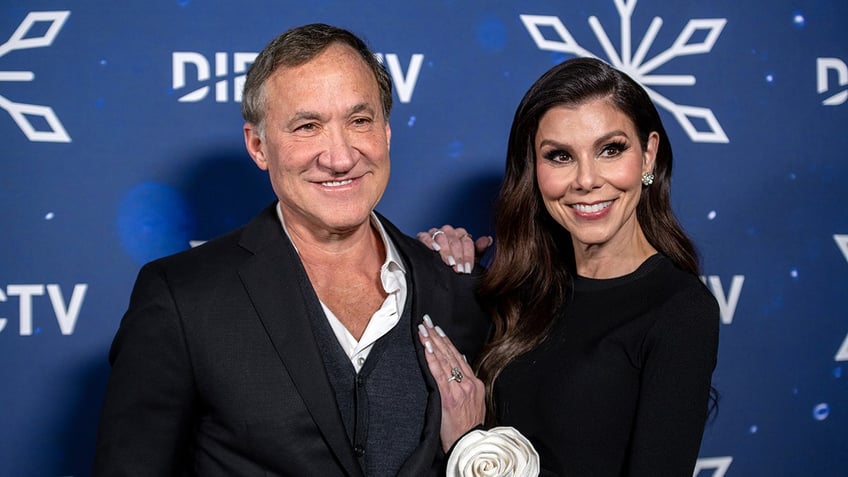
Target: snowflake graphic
635 63
21 112
719 465
842 243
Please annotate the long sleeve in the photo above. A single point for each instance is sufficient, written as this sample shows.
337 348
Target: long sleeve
147 413
679 358
620 386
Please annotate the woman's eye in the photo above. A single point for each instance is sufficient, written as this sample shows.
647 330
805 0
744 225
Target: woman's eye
557 155
614 149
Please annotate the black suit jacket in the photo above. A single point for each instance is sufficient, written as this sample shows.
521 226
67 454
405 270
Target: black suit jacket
215 370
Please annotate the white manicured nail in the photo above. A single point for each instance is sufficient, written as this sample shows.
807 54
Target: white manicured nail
440 332
428 321
451 260
436 246
423 330
429 347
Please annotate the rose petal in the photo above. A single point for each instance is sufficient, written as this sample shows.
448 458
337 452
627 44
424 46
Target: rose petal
498 452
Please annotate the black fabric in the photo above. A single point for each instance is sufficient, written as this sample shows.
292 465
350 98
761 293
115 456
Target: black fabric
383 406
216 372
620 387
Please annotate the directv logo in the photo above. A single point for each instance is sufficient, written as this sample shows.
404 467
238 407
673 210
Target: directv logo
190 64
183 61
823 65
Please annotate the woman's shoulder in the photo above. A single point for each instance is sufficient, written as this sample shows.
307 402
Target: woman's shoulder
664 272
684 302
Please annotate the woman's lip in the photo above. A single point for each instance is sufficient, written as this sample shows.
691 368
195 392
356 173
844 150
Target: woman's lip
591 209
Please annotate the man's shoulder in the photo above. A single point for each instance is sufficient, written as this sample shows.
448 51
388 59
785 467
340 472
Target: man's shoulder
223 252
213 250
203 267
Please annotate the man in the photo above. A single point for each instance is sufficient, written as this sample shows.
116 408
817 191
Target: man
289 347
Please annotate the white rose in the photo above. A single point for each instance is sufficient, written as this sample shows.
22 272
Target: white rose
498 452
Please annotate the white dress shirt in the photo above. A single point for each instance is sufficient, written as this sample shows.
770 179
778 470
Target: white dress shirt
393 277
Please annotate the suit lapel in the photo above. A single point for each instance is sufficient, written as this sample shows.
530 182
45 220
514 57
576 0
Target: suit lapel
270 278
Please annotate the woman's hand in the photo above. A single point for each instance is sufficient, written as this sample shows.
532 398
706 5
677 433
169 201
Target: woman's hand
456 246
463 395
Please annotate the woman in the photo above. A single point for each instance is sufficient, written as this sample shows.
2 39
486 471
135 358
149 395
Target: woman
604 337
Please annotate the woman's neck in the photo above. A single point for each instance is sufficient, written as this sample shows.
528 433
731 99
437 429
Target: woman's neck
612 260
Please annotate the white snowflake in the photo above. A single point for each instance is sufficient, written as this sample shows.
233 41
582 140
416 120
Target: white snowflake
842 243
20 112
635 63
719 465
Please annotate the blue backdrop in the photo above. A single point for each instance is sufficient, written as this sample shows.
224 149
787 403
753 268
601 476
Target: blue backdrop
121 142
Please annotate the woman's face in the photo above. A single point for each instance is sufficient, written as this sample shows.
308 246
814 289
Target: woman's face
589 165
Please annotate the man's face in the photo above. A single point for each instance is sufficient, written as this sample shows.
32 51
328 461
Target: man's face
326 142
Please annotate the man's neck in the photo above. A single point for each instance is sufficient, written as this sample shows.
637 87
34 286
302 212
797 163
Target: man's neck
345 274
321 245
362 248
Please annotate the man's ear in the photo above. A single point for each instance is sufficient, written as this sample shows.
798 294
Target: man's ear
254 144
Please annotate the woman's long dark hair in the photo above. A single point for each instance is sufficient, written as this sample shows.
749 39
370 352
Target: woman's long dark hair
528 280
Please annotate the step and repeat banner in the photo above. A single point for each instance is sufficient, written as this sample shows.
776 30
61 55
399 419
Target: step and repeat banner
122 142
